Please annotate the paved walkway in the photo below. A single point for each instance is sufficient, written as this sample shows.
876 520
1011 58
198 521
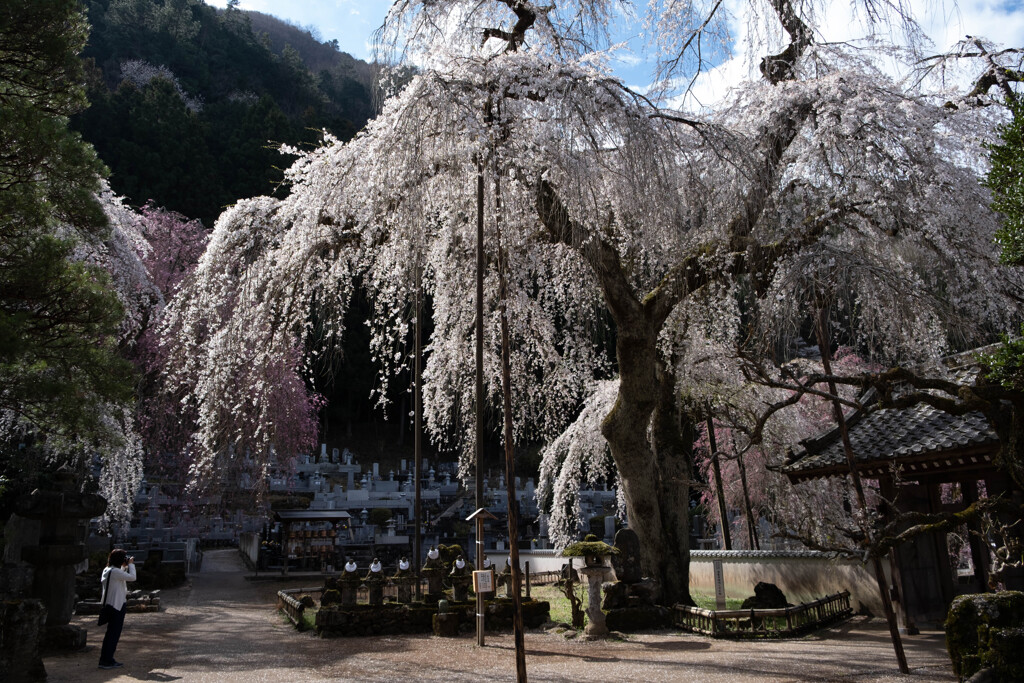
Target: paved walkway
224 628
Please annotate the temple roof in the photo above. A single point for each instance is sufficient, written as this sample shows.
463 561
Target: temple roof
311 515
921 440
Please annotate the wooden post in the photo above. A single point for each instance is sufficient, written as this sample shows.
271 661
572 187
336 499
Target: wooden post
719 491
478 517
418 429
755 544
479 469
858 486
510 472
979 554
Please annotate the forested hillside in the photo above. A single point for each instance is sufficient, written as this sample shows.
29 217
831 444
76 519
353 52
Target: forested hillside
188 102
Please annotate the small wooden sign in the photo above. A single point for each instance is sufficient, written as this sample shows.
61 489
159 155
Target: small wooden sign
719 584
483 581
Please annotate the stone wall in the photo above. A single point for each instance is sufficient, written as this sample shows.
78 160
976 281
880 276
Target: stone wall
802 575
249 547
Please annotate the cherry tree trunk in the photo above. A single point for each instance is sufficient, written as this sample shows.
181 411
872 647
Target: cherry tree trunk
655 479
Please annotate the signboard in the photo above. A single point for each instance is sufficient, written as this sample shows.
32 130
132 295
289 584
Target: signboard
483 581
719 584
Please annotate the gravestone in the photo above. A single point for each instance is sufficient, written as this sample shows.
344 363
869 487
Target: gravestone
627 562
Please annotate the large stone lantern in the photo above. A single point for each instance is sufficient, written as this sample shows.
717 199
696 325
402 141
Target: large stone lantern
597 569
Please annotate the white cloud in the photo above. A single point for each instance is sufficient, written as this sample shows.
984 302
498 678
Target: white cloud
943 24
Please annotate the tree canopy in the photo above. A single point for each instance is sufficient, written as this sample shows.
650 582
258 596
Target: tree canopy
689 235
59 319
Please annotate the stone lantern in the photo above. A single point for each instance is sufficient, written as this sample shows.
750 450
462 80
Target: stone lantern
62 513
434 571
460 578
349 582
404 578
374 580
596 569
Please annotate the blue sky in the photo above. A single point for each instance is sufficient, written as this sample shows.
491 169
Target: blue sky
352 23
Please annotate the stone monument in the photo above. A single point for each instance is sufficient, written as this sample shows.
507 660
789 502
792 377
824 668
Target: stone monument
63 513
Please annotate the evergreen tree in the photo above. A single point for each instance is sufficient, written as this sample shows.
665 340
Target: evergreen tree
58 317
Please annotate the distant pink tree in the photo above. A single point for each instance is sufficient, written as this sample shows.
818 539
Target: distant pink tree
172 246
264 413
770 495
176 243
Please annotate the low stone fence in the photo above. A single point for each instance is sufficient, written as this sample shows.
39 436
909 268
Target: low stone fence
138 601
803 575
249 548
395 619
764 623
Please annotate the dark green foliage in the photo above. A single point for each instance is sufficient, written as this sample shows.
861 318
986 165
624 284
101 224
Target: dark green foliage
379 516
1006 181
985 631
447 554
243 100
58 318
1006 364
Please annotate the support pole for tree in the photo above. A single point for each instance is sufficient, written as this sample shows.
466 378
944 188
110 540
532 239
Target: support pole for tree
510 471
751 527
723 518
418 427
858 486
479 469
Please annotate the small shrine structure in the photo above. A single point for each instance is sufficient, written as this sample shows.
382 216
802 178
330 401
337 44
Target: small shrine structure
912 452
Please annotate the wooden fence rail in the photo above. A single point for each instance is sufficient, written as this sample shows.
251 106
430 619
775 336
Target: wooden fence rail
292 606
764 623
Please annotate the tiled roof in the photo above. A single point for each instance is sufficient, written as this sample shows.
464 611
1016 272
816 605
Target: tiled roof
755 554
922 434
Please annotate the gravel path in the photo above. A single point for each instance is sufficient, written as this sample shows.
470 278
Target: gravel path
224 628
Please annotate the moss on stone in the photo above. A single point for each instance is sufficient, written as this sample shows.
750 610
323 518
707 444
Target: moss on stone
984 630
587 548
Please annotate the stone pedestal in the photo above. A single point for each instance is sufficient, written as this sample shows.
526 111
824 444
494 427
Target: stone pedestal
460 578
460 588
375 584
404 580
595 575
446 625
21 628
433 570
348 584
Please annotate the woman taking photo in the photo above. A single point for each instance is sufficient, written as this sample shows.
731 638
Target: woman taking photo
119 571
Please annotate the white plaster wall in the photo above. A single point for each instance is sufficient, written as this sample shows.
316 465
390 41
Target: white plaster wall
802 579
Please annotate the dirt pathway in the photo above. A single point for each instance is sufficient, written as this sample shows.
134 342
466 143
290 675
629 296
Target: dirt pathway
224 628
